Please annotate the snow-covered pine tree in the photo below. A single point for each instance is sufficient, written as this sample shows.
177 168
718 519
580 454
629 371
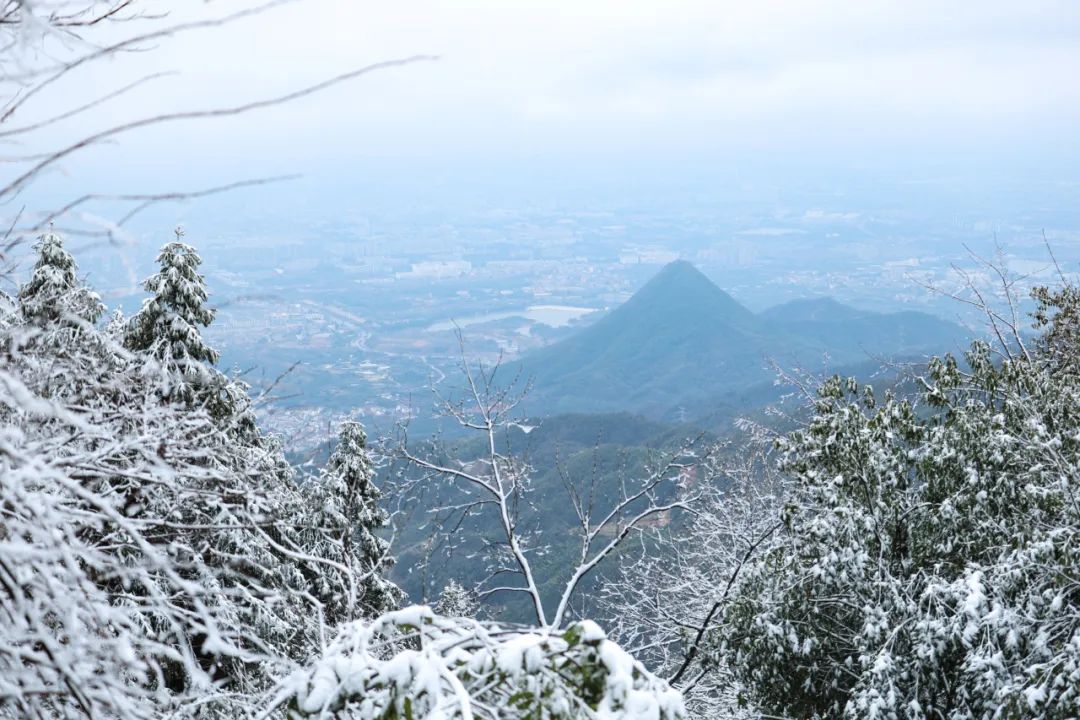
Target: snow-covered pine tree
54 292
170 558
343 501
54 317
116 326
167 325
456 602
166 329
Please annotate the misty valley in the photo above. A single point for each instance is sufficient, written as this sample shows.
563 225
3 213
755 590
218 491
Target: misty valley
584 360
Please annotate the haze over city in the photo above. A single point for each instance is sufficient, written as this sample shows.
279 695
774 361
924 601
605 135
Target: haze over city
593 360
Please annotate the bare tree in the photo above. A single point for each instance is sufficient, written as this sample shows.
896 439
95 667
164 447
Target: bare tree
664 601
996 295
502 483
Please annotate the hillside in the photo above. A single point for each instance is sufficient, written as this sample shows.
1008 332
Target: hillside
593 453
681 339
847 331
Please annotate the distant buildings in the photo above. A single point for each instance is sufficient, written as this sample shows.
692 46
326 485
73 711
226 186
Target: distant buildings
436 269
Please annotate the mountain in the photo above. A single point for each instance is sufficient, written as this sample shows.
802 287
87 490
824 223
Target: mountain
824 309
681 343
678 332
844 330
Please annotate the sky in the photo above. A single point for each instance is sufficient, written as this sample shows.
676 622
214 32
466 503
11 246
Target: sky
534 94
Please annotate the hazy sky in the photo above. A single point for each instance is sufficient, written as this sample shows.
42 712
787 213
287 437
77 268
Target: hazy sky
823 86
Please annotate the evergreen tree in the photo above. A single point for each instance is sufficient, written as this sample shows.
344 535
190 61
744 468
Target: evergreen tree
167 325
54 293
165 558
928 565
344 504
54 318
456 602
116 327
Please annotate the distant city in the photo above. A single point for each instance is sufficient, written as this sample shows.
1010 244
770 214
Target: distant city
363 313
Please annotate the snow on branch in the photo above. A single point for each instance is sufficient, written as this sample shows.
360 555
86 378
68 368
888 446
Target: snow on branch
503 482
413 663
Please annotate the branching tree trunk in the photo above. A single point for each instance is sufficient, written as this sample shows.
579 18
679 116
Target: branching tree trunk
504 483
666 599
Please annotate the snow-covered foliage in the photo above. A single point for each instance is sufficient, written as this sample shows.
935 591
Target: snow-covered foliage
167 325
9 309
343 502
54 291
415 664
667 595
156 558
928 565
457 602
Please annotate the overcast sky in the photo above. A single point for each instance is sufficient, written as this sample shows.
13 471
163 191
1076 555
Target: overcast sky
822 86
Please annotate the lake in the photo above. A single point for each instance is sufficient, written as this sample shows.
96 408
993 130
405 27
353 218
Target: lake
551 315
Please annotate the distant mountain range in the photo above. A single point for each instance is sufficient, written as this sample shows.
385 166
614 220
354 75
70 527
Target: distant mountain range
681 344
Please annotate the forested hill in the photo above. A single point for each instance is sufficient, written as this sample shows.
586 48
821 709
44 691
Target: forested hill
681 344
595 453
848 331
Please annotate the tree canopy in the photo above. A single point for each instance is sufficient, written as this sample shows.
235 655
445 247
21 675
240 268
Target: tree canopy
928 562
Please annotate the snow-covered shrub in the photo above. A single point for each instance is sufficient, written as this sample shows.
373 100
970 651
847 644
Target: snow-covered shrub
929 563
666 597
415 664
156 555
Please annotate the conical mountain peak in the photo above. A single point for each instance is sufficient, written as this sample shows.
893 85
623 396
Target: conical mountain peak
677 273
679 330
681 341
681 292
